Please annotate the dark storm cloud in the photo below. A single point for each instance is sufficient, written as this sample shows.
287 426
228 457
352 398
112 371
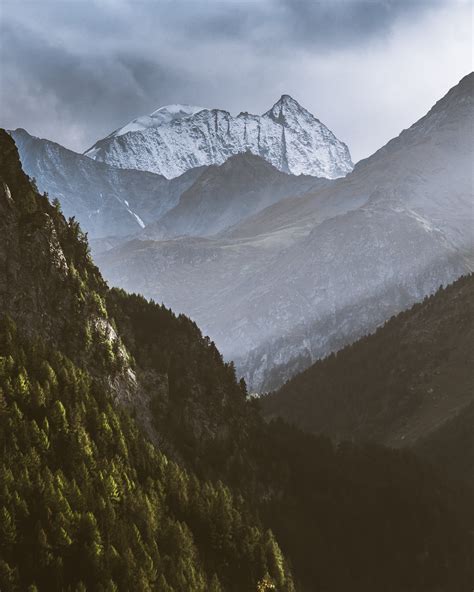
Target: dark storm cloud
326 24
74 70
41 78
343 23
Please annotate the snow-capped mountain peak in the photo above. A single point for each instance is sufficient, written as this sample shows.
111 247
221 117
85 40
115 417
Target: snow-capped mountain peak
161 116
176 111
176 138
286 105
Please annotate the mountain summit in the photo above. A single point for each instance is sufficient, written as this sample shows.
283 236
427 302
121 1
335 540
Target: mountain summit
176 138
285 107
161 116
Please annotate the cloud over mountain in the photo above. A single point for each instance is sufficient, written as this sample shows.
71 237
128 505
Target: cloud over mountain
73 71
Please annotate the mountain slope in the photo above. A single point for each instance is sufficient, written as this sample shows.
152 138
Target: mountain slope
89 502
224 195
438 146
451 446
287 136
310 274
105 200
396 386
86 501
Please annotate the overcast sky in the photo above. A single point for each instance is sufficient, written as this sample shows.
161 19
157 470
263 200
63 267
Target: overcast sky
74 70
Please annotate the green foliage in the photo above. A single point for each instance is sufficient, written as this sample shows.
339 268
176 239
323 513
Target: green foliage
331 508
196 402
102 508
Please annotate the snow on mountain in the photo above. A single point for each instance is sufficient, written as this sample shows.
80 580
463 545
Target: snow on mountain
110 202
309 274
159 117
176 138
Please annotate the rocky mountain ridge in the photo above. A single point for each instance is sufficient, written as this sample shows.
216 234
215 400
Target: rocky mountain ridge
288 136
224 195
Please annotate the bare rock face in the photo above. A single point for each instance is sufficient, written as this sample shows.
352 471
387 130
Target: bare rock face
177 138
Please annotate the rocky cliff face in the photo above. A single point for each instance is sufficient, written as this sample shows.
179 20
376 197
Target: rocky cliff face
177 138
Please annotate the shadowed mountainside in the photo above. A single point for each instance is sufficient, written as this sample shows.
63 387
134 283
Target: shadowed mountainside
409 384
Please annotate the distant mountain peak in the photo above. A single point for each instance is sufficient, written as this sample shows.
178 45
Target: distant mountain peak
178 110
287 105
287 101
161 116
176 138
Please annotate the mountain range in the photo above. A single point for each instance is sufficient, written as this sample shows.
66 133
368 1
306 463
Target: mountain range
114 204
177 138
313 272
132 458
284 268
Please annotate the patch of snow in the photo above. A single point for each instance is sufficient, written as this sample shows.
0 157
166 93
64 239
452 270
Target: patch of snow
137 218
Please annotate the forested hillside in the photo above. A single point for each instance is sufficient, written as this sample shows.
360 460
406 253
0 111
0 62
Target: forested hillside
87 502
451 446
396 385
132 459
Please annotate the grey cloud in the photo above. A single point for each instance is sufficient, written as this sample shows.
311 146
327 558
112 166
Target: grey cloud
74 70
342 23
326 24
95 90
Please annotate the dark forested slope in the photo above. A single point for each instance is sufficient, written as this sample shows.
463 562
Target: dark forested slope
87 502
451 446
133 460
394 386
